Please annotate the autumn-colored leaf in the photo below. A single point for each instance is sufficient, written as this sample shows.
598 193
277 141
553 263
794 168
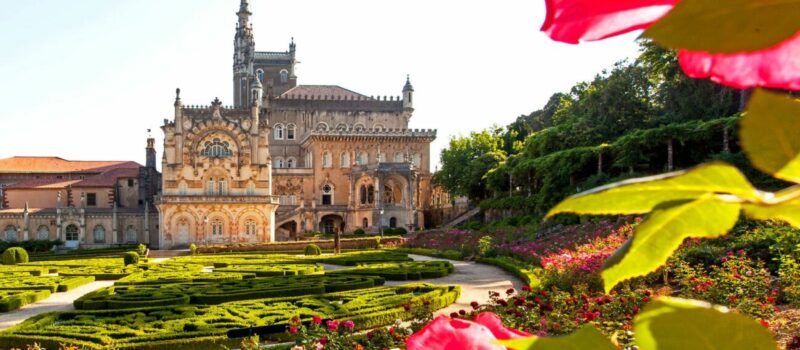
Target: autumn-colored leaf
572 21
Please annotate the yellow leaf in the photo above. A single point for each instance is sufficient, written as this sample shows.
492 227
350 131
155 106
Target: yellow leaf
788 211
639 196
770 134
587 337
729 26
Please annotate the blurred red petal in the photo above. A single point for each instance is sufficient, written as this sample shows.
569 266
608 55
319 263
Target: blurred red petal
572 21
495 325
445 333
775 67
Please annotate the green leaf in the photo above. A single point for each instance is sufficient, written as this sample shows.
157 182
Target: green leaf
769 134
663 231
679 324
587 337
639 196
731 26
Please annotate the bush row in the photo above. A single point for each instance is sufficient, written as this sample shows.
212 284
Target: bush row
14 299
51 283
348 258
436 253
272 270
208 293
514 267
347 243
401 271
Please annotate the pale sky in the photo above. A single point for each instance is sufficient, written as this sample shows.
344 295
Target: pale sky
84 79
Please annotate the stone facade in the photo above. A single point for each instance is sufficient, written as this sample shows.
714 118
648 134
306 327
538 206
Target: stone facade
287 159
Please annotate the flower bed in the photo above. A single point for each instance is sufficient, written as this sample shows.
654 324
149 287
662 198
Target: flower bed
209 293
401 271
198 327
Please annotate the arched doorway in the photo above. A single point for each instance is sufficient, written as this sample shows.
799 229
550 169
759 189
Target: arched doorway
291 228
331 223
183 232
393 222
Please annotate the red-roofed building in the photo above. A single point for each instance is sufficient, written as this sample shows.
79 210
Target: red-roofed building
84 203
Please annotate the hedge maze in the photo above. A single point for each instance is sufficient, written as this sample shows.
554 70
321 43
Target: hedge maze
192 302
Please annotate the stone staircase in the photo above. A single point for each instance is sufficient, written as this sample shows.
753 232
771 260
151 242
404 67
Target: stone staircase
462 218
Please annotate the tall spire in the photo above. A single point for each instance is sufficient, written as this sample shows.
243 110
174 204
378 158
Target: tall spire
244 14
244 48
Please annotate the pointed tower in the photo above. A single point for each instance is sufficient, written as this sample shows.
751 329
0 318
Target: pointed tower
244 48
408 95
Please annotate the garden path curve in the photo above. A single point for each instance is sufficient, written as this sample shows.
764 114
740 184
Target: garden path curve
476 280
56 302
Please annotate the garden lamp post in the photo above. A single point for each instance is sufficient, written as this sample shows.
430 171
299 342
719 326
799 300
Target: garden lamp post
380 221
205 223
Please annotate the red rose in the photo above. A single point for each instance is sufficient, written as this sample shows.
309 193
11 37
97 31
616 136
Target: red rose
455 334
317 320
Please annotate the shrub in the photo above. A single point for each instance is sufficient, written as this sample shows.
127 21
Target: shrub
359 232
15 255
400 231
312 249
193 248
484 245
131 258
141 249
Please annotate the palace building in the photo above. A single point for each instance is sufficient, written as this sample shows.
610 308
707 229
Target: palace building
286 159
282 161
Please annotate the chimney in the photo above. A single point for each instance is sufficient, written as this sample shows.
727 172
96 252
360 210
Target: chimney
151 153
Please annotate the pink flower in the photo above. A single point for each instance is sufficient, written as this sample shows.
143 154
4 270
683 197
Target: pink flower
572 21
332 325
444 333
293 329
349 325
316 319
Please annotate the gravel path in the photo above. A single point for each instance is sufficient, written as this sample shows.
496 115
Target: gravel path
56 302
476 280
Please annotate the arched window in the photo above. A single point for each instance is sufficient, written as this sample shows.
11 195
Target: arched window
284 76
322 126
250 227
217 228
278 131
370 194
381 157
210 187
344 160
11 233
99 234
43 233
327 195
290 131
223 188
363 194
327 159
217 149
71 233
291 163
417 160
279 163
365 223
399 157
260 75
130 234
362 158
183 188
388 194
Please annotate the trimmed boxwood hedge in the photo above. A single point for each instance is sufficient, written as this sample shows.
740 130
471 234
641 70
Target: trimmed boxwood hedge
348 258
272 270
14 299
200 327
51 283
514 267
14 255
402 271
135 296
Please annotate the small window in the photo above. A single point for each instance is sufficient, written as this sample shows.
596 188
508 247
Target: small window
223 188
11 233
279 131
362 158
91 199
393 222
279 163
365 223
71 233
291 163
217 228
130 182
290 131
363 193
284 76
260 75
371 194
210 187
399 157
43 233
327 195
216 149
250 228
344 160
251 189
183 189
327 159
99 234
417 160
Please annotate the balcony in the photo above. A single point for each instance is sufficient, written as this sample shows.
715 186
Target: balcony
187 199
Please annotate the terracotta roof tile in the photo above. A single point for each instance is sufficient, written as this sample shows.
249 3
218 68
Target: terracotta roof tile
108 178
42 184
59 165
322 90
